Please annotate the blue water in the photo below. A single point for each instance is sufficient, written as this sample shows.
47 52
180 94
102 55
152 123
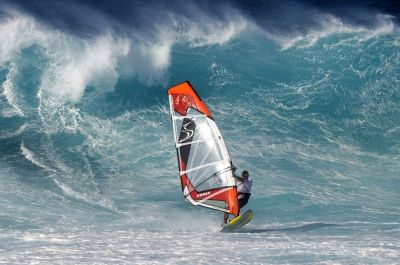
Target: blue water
311 107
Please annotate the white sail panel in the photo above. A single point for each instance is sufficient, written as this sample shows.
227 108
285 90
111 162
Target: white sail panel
205 166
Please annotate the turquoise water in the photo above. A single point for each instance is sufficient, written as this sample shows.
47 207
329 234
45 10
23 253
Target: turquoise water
88 169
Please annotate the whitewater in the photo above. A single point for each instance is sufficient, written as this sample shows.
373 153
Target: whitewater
306 97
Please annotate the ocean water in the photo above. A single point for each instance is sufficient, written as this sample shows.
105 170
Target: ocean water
306 95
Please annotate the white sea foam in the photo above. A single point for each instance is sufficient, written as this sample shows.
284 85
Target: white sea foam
75 63
17 33
212 31
273 244
220 76
149 59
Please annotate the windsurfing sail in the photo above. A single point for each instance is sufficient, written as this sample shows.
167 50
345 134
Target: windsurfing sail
205 166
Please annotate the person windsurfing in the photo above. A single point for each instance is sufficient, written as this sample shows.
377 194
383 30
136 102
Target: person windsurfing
243 186
205 166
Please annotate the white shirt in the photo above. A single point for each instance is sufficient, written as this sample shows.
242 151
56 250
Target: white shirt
244 186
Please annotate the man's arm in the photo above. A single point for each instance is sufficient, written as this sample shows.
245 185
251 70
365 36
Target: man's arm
238 178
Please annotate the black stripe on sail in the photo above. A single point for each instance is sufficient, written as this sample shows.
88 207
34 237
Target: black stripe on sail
186 136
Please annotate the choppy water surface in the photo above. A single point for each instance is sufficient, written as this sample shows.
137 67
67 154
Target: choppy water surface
311 107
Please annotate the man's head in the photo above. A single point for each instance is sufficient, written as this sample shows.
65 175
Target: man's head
245 174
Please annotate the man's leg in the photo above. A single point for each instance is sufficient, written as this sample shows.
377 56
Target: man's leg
226 216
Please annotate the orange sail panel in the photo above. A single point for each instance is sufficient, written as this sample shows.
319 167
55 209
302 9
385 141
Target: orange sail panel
205 166
184 96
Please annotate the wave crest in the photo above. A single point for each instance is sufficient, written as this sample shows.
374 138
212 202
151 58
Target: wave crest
329 25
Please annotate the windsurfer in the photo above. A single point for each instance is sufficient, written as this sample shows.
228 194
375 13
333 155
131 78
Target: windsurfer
243 185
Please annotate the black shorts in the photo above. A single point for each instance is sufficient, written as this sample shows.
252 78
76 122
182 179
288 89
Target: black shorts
243 198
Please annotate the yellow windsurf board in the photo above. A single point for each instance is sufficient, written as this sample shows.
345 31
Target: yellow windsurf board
238 221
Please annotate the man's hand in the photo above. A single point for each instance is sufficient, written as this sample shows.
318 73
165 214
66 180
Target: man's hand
238 178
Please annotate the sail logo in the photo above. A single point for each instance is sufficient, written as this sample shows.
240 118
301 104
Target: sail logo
203 194
188 131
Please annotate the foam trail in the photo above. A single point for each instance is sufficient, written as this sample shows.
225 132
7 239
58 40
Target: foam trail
29 155
9 95
20 130
94 199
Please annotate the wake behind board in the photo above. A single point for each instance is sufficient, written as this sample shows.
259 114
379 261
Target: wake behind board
238 221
